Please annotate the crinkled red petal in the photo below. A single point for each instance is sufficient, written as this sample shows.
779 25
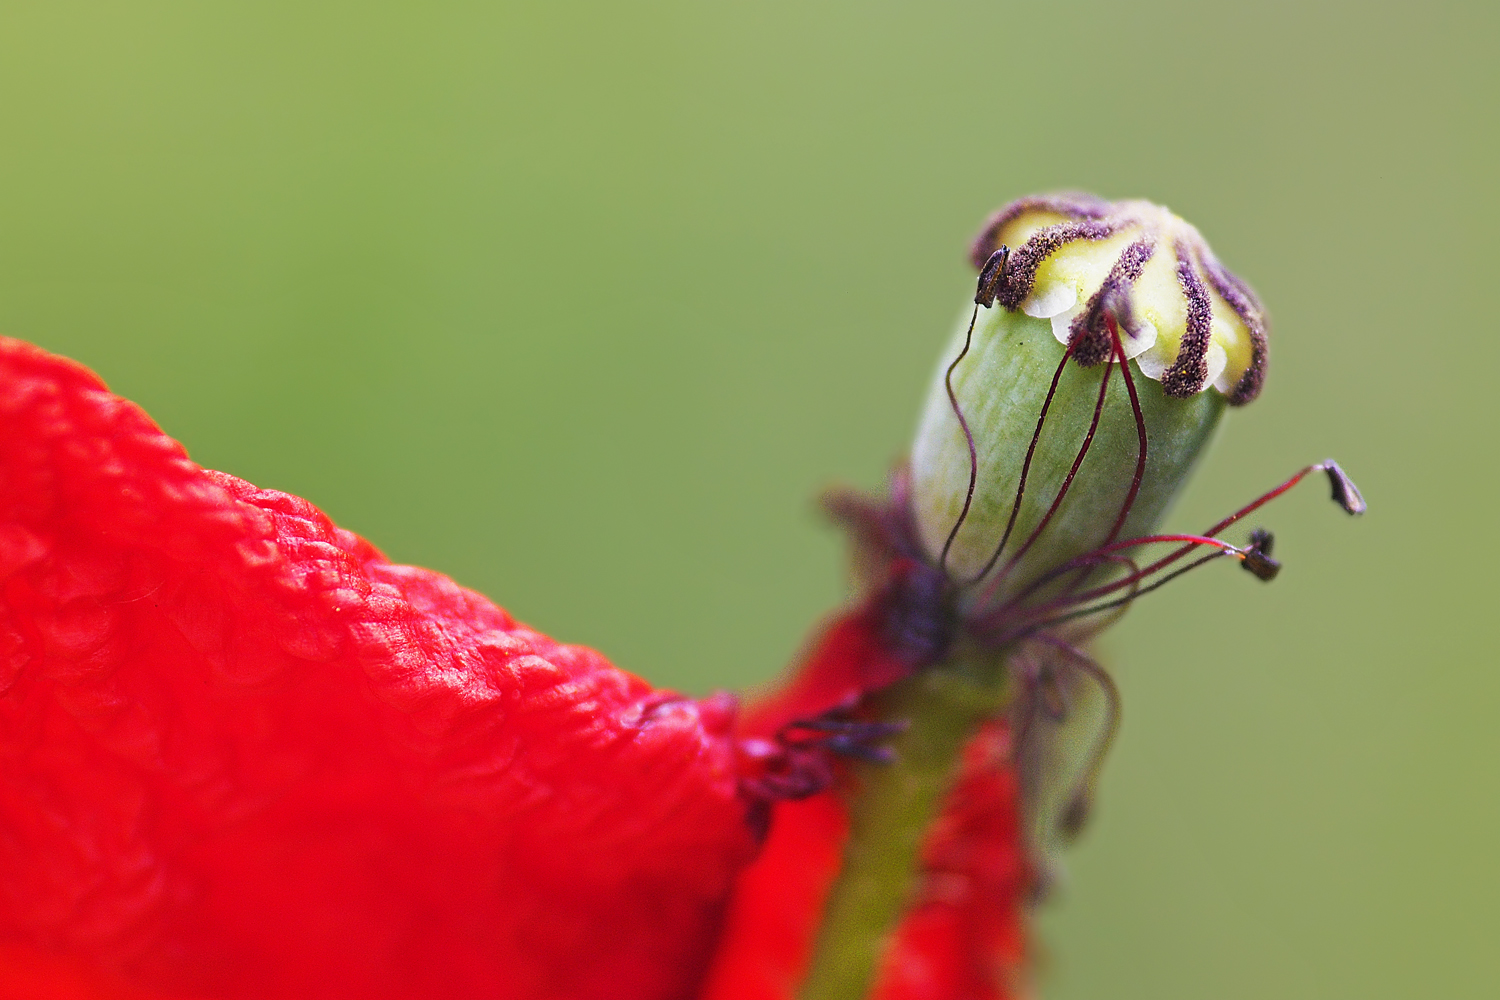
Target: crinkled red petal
241 754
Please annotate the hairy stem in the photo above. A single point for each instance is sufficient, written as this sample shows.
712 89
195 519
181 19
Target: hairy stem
891 811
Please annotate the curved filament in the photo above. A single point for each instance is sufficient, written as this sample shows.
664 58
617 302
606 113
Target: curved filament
963 515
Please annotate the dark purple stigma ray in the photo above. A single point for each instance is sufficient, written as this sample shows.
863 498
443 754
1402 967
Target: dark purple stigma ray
1076 205
1189 371
1020 271
1089 333
1245 305
1015 505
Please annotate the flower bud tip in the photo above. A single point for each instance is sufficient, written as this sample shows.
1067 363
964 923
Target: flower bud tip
1084 263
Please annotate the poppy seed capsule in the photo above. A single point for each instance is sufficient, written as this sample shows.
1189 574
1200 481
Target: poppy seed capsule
1107 340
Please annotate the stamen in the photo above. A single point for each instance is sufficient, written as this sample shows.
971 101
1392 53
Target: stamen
1035 629
1257 556
793 766
963 514
1088 439
1098 555
1023 666
1141 447
1015 506
855 738
990 277
1207 536
868 521
1140 431
1008 612
1001 621
1345 493
1186 375
1051 696
1076 809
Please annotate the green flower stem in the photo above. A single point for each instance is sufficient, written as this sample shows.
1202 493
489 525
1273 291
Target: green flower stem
893 807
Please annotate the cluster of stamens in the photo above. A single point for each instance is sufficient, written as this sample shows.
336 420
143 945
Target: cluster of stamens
1120 283
1220 342
1009 278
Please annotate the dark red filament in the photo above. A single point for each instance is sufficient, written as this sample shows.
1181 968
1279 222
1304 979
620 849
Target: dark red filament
1076 807
963 422
1015 507
1062 492
1053 612
1140 430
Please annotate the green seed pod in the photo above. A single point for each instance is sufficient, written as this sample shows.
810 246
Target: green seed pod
1103 351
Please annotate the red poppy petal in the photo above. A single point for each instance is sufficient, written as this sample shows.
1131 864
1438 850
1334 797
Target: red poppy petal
965 937
769 933
241 754
773 919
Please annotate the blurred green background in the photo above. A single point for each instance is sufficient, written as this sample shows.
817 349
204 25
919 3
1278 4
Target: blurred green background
582 304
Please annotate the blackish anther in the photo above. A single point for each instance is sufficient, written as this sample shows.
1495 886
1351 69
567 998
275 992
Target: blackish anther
1262 540
1345 493
1257 556
1051 696
1075 814
990 277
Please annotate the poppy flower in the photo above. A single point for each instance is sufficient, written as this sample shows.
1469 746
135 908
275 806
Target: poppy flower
247 756
242 754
